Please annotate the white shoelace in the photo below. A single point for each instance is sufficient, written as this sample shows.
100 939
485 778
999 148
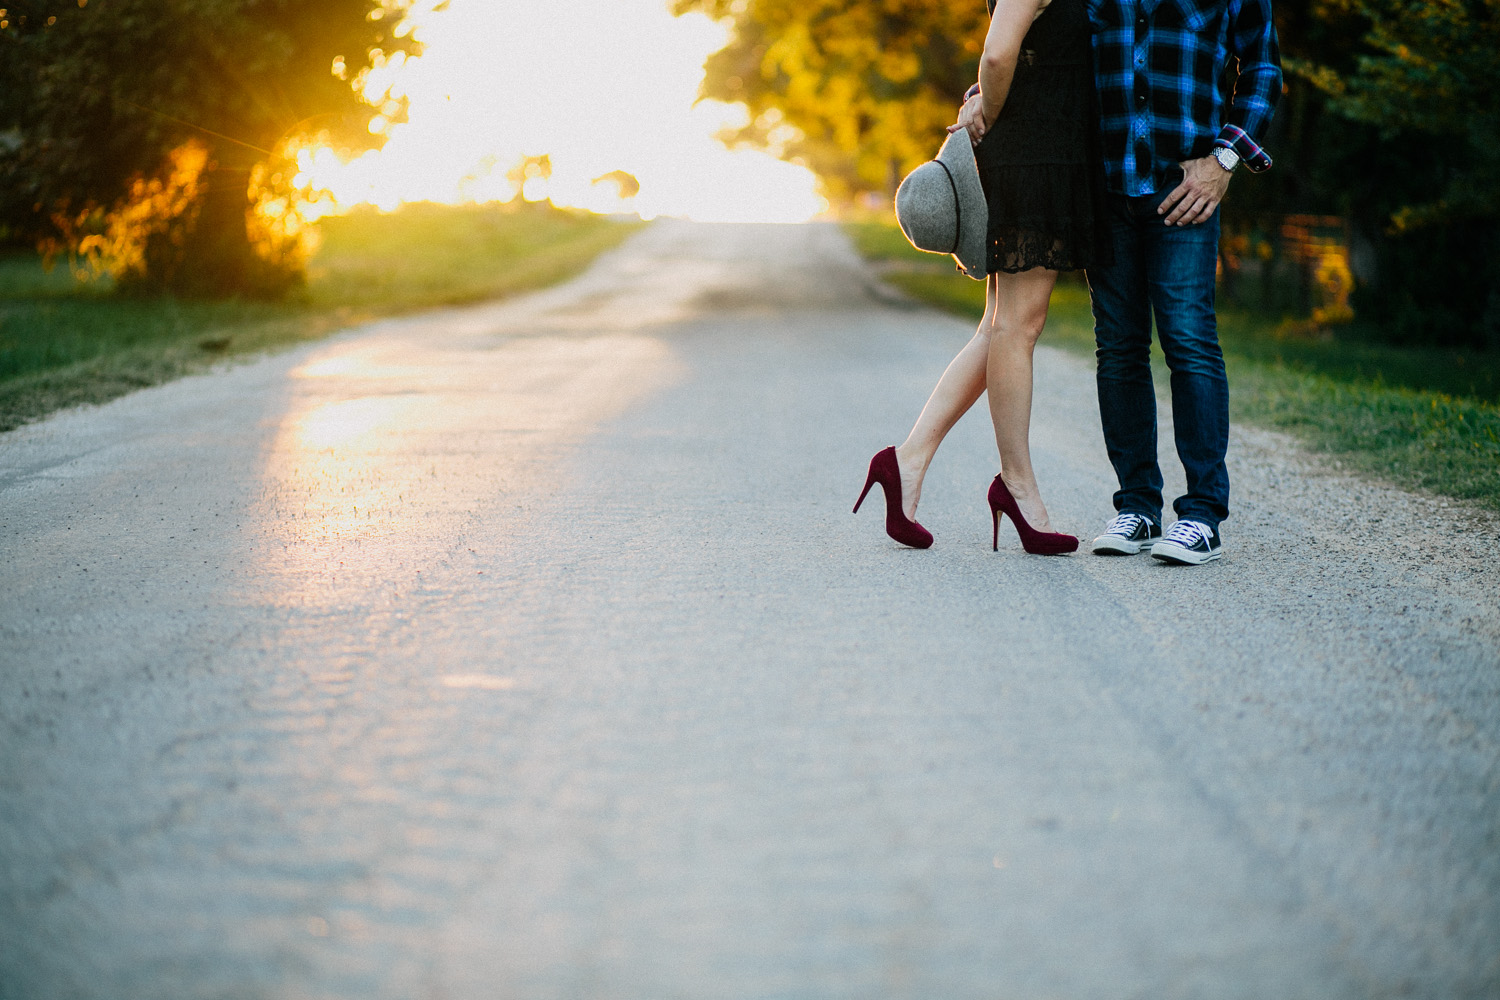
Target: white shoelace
1188 533
1124 524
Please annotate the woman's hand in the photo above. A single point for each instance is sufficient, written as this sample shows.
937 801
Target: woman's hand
971 117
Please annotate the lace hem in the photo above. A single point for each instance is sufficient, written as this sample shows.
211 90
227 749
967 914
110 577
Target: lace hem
1018 250
1051 217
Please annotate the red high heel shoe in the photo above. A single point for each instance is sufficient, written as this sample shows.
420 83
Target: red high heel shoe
1038 543
885 471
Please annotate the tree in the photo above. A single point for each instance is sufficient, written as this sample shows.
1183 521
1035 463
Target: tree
1419 86
174 110
1430 70
860 92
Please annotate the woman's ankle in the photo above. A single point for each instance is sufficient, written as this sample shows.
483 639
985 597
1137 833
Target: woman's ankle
912 460
1029 498
1021 485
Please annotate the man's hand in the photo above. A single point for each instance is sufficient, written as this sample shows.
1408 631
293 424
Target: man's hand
1194 200
971 117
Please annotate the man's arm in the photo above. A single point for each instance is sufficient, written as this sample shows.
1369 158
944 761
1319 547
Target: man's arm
1252 39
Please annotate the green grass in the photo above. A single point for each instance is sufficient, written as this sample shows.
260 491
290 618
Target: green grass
1427 419
63 342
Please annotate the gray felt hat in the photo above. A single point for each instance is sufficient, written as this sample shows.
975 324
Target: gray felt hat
941 207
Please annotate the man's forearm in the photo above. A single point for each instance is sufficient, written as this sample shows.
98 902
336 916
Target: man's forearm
1258 86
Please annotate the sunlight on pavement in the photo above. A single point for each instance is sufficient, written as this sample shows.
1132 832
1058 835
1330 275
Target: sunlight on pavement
483 682
403 439
394 444
338 423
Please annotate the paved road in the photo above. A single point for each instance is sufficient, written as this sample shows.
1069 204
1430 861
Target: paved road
531 651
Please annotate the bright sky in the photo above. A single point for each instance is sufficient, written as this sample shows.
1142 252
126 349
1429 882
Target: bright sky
598 87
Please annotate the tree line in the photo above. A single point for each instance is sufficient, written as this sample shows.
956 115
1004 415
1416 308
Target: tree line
1391 121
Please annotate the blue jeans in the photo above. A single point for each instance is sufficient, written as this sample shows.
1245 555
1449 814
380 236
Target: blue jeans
1168 271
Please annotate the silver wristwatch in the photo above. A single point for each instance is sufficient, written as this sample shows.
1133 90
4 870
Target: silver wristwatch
1228 158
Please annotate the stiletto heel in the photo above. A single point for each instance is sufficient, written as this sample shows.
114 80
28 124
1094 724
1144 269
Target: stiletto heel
885 470
870 481
1038 543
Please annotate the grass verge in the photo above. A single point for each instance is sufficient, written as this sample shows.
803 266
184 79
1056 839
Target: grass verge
1426 419
63 342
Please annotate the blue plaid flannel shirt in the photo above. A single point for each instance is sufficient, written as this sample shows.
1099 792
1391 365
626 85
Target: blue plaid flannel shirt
1177 78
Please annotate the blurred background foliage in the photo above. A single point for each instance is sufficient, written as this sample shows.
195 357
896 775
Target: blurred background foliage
1378 220
140 135
856 90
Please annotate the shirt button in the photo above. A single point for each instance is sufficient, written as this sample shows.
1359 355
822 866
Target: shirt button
1140 100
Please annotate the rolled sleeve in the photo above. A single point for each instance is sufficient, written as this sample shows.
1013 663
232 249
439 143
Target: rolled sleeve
1257 88
1250 152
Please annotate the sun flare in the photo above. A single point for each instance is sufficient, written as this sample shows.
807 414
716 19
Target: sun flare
605 92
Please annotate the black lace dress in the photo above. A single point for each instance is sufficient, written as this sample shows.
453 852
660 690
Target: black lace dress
1040 163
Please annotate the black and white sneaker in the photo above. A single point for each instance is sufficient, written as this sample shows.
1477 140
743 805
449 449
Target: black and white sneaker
1126 535
1189 543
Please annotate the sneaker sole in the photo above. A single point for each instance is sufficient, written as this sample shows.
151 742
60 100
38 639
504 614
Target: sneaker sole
1120 546
1183 556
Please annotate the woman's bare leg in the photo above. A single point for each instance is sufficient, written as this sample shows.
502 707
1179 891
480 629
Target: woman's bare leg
960 387
1015 324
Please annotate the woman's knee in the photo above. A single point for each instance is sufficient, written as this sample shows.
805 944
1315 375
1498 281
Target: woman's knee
1016 330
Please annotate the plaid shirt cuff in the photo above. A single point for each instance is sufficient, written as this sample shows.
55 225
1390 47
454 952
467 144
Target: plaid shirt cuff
1235 138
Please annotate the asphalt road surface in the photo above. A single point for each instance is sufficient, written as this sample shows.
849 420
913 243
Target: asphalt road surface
531 651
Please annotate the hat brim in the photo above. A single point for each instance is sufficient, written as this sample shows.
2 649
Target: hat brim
957 155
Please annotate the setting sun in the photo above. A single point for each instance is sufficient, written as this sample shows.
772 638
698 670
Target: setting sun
600 91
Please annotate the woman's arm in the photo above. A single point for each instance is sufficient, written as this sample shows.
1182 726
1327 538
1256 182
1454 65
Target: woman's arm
1002 47
997 65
